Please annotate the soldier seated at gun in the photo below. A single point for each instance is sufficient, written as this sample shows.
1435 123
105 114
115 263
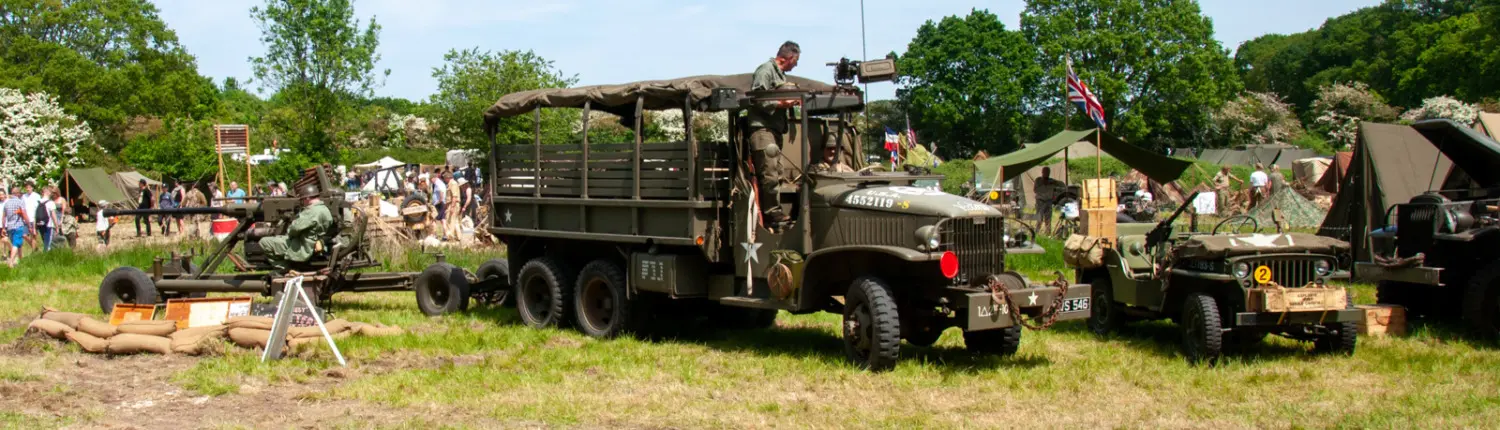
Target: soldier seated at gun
830 162
304 235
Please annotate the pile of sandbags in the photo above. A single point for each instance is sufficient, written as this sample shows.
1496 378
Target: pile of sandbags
163 337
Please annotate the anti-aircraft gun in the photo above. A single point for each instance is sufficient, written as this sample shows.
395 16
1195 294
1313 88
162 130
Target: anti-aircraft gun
330 270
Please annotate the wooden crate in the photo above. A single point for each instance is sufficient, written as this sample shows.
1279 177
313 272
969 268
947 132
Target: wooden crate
1383 320
1274 299
123 312
1099 194
1099 223
206 311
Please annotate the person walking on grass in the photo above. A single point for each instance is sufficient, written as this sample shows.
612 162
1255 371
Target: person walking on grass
102 225
46 219
15 225
143 201
166 201
31 200
1260 185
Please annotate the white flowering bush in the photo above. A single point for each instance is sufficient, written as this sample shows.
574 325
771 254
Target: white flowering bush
1261 118
1444 107
37 139
1340 107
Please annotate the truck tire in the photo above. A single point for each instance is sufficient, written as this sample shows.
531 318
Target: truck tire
872 327
1202 330
442 289
1002 342
1481 307
544 293
602 307
498 268
1105 316
126 285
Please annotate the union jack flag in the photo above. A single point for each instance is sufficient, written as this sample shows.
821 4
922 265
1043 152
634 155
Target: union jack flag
1079 94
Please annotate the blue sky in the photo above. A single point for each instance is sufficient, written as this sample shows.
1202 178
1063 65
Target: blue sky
621 41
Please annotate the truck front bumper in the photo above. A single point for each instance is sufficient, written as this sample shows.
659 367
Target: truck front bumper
1371 272
1251 319
981 312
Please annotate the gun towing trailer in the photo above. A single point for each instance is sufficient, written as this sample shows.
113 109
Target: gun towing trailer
609 235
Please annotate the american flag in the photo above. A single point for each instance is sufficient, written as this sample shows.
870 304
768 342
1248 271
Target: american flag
1079 94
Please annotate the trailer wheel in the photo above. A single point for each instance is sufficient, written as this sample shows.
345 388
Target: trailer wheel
602 307
872 327
543 293
442 289
126 285
1202 330
1003 342
497 268
1482 301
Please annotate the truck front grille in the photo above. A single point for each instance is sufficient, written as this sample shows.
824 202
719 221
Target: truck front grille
1290 272
979 244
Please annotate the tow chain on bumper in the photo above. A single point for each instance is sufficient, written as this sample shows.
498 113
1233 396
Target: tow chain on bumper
999 294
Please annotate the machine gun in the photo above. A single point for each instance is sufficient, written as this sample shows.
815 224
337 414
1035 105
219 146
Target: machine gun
1163 230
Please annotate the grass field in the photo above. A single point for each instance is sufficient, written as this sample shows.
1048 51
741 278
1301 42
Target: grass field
481 369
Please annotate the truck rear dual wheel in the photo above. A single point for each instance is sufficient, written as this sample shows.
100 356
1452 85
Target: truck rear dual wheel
544 291
603 308
1202 330
872 328
126 285
442 289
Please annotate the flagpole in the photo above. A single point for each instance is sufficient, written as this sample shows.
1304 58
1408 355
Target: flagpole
1065 120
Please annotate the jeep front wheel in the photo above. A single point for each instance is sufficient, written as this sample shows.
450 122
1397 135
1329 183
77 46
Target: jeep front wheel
872 328
1202 331
1105 316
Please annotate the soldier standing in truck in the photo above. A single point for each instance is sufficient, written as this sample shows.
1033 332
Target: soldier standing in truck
767 124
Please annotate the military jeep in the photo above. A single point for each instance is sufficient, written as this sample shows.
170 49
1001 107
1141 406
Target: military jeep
1228 288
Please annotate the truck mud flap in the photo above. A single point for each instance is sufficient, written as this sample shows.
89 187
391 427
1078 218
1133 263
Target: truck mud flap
1250 319
982 313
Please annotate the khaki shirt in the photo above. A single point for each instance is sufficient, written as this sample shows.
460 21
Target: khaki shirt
1046 189
1221 181
767 77
823 167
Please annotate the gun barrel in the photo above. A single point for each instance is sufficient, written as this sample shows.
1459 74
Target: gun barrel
178 211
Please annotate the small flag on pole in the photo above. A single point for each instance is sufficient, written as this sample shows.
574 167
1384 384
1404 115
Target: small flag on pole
1079 94
891 139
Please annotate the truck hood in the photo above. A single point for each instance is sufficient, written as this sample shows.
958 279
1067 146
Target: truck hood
909 200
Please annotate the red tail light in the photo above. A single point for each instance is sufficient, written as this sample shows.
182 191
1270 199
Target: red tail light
949 264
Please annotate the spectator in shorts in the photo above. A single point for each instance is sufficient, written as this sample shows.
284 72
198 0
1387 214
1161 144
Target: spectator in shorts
1260 185
15 225
67 224
102 224
31 201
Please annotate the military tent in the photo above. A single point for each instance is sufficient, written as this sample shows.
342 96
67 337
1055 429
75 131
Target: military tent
1158 167
1489 124
1337 169
1212 156
129 183
1237 157
92 186
1028 181
1289 156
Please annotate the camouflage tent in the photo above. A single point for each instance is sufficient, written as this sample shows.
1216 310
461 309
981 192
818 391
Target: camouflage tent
1297 212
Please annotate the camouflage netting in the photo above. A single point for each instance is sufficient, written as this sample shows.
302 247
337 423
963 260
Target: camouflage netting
1297 211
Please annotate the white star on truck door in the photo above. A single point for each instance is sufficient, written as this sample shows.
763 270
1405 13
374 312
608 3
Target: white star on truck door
751 252
507 216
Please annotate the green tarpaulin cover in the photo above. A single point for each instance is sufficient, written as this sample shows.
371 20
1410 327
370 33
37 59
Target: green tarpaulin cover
1159 168
93 185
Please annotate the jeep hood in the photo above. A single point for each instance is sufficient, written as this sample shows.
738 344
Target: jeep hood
1223 246
909 200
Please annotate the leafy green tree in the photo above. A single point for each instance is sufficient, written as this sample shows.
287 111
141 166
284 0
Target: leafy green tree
471 80
1154 64
183 149
107 61
880 114
970 76
1258 118
319 59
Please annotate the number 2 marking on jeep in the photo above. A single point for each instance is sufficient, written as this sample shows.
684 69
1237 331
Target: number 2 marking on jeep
874 202
1263 274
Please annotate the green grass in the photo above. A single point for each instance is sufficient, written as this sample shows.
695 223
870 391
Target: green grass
482 366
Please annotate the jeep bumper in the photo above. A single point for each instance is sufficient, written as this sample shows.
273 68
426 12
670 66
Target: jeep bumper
982 313
1249 319
1371 272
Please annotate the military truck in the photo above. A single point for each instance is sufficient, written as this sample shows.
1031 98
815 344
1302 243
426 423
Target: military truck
1226 289
603 232
1439 254
332 268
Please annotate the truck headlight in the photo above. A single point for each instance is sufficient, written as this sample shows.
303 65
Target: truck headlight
927 238
1242 270
1323 267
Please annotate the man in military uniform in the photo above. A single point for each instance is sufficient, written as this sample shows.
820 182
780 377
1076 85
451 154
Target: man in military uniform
830 162
1046 190
767 125
303 236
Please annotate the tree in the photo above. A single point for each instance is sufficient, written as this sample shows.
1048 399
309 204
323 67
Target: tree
471 80
107 61
879 115
1340 108
969 75
1154 65
37 138
1444 107
318 58
1259 118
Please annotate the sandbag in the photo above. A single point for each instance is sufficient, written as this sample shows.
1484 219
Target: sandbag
258 323
211 330
68 318
149 328
334 327
249 337
99 329
133 343
52 328
378 330
1083 252
197 340
88 342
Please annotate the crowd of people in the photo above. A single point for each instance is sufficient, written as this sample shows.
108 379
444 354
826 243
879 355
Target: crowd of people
40 219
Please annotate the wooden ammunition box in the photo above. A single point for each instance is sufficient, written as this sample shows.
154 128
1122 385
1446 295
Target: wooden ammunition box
1099 194
1273 299
1383 320
1099 223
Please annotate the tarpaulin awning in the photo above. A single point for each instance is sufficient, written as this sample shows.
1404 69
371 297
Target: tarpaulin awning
92 185
382 163
1158 167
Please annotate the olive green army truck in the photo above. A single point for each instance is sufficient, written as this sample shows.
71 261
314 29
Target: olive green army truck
1226 289
603 233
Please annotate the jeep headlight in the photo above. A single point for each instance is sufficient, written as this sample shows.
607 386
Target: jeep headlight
1323 267
927 238
1242 270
